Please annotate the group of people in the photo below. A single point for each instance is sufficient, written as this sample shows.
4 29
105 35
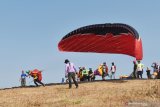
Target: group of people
138 70
87 75
35 74
104 71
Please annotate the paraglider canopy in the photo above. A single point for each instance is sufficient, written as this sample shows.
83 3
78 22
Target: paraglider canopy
104 38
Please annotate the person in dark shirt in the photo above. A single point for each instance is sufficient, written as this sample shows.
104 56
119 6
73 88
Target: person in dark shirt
148 73
91 76
134 69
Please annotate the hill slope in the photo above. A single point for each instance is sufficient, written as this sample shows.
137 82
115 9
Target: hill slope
118 93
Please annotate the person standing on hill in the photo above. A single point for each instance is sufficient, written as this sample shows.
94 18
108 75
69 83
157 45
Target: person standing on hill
23 79
134 69
113 70
148 73
104 70
62 80
91 76
139 69
70 72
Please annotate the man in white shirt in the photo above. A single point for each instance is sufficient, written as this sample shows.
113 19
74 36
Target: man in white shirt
113 70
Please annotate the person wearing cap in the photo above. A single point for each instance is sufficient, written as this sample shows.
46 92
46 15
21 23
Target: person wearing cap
70 72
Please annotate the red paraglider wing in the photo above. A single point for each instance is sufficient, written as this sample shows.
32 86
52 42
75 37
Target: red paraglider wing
122 43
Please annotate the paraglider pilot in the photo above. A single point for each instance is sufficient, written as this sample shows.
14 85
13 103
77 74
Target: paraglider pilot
37 76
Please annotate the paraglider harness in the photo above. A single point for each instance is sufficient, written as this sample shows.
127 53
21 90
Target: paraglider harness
37 76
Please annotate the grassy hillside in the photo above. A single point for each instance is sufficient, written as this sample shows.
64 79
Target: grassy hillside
127 93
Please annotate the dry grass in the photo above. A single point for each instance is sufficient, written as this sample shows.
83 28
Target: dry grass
139 93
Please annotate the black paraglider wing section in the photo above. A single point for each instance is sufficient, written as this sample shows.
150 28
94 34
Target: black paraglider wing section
103 29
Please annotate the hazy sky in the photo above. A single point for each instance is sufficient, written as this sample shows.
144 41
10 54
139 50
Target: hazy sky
31 29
